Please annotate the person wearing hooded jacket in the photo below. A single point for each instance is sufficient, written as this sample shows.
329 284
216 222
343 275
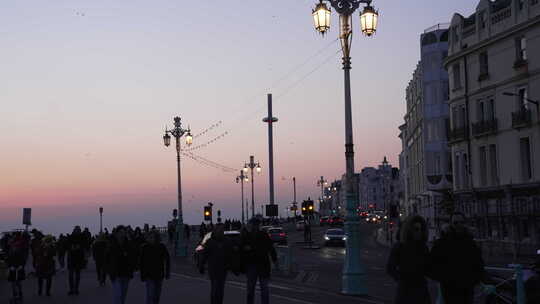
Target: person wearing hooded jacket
409 264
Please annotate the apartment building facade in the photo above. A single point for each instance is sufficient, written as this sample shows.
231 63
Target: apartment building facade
494 74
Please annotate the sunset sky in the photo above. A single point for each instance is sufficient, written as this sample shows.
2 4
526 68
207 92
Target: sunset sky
87 88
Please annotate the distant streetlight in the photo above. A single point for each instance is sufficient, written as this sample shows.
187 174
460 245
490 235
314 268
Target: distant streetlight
177 132
241 179
251 166
100 219
354 274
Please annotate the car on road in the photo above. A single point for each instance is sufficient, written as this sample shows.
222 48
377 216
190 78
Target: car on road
336 221
265 228
324 220
300 225
277 235
335 236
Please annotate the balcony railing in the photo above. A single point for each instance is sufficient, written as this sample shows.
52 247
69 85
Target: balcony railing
521 118
458 134
484 127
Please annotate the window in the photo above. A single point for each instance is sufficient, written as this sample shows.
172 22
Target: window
482 162
482 18
485 110
483 61
525 152
493 165
521 49
445 90
522 98
481 116
457 76
490 109
465 171
437 163
521 4
457 173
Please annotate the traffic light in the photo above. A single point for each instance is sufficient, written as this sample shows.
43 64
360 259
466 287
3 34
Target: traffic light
208 213
304 208
310 205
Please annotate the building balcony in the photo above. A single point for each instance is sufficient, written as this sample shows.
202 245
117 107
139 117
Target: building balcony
439 182
484 127
521 118
458 134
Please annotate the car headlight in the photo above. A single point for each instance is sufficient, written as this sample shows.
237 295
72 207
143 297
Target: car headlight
326 238
344 238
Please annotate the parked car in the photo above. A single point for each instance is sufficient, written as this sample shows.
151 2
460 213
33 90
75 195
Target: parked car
277 235
335 236
324 220
300 225
265 228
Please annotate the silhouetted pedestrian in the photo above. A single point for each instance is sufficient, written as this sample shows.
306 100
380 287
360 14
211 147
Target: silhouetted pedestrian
16 261
76 259
61 250
409 264
98 253
257 250
45 264
457 262
154 266
217 252
121 262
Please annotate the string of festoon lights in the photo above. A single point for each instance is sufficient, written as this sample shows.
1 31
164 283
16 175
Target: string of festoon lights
208 129
204 145
209 163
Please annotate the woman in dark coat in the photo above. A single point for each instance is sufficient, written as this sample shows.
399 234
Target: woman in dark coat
409 264
16 261
45 264
217 253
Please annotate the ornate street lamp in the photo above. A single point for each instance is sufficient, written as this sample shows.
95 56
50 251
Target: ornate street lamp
354 273
252 165
241 179
368 20
177 132
321 17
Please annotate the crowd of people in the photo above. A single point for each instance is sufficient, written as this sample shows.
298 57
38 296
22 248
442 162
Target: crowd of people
117 255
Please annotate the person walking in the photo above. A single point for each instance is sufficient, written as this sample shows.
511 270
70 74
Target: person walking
217 252
98 253
121 262
16 262
409 264
76 259
257 249
457 262
154 266
45 264
61 250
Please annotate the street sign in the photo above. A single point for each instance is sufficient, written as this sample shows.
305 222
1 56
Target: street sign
27 216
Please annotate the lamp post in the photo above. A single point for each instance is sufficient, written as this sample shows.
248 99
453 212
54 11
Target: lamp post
252 165
100 219
177 132
321 183
354 274
240 179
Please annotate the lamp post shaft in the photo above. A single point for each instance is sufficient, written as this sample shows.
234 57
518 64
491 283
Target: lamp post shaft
270 119
354 275
252 166
242 177
181 249
100 222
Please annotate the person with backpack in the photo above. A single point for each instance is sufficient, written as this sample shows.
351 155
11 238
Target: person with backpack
154 266
409 263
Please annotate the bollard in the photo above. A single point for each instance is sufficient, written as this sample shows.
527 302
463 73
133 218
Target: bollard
440 299
520 287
